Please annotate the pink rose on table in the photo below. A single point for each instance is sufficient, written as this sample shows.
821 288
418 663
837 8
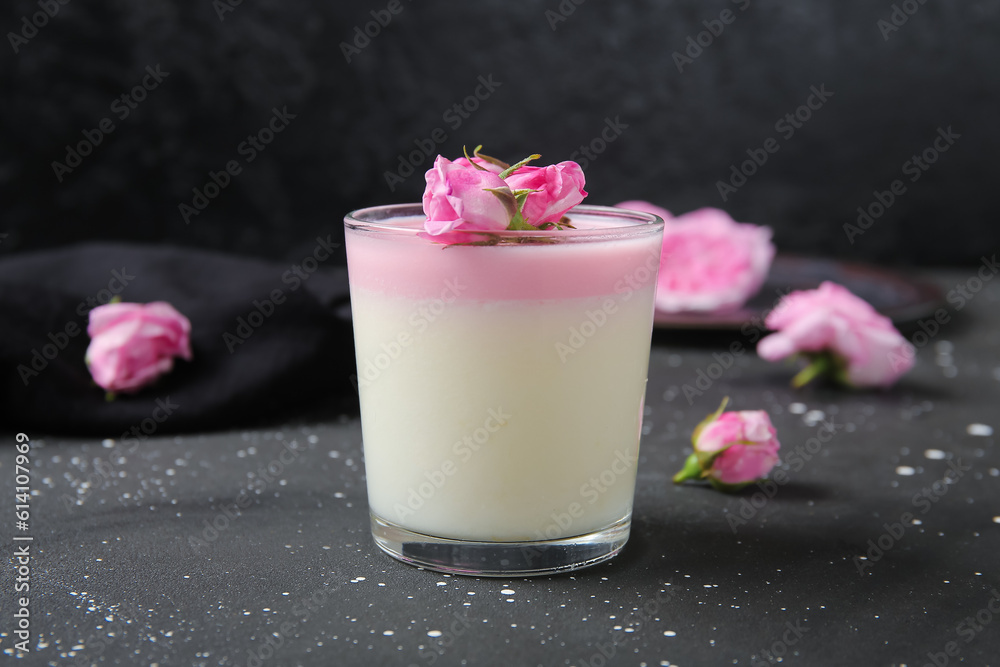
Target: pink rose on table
133 343
709 263
458 197
842 335
732 449
559 187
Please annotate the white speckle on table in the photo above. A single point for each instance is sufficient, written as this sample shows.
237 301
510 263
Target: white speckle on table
813 417
433 633
797 408
905 470
982 430
669 633
388 633
506 591
996 519
935 454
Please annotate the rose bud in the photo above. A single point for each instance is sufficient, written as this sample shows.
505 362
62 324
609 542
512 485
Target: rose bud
464 197
557 189
732 449
842 336
132 343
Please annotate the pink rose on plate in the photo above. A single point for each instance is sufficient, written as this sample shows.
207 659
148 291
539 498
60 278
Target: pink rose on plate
732 449
461 197
842 335
558 188
709 263
133 343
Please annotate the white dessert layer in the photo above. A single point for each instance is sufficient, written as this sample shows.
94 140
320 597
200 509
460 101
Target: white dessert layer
502 420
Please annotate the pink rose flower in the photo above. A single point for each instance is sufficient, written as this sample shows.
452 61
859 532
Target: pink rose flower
842 333
732 449
709 263
457 197
132 343
559 188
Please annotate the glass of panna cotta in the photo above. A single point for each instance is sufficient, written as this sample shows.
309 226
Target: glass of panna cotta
501 384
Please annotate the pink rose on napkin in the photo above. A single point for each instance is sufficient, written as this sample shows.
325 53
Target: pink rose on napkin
841 333
458 197
732 449
132 343
709 263
559 188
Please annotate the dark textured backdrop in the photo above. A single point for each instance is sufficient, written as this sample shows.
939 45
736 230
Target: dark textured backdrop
559 80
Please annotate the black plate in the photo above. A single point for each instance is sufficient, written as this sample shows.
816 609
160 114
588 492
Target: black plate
900 298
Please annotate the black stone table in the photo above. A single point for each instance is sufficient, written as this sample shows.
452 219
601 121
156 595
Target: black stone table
253 547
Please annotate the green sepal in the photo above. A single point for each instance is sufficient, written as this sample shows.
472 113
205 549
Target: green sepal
692 470
522 194
706 459
509 202
823 363
518 223
475 164
514 167
488 158
819 364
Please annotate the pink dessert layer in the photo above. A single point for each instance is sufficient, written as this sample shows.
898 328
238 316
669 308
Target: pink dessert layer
406 266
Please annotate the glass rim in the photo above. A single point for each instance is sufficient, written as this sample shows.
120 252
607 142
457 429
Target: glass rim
632 222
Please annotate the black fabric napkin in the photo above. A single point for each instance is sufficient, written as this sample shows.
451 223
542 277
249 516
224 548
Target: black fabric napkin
246 367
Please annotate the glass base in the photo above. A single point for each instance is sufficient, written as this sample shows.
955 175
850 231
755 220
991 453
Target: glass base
500 559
